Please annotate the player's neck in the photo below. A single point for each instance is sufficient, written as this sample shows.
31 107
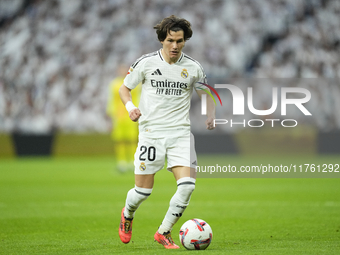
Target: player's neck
168 59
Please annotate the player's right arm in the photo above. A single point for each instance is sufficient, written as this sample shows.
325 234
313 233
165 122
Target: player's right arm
125 96
134 76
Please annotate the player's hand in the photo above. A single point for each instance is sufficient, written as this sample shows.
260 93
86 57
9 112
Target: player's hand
210 123
134 114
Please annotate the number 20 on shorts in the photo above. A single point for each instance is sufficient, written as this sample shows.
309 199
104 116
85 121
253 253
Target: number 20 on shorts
147 153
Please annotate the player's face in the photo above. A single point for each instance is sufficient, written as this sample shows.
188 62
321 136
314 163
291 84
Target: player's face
173 45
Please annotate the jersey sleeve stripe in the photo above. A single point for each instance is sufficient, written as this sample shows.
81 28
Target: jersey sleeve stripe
186 56
143 57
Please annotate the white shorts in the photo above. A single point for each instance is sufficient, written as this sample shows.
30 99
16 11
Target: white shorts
151 153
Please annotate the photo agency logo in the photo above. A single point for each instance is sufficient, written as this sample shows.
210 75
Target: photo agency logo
238 105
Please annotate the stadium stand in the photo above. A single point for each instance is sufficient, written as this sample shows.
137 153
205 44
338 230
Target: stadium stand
58 57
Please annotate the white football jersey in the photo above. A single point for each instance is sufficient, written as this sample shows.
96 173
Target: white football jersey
166 93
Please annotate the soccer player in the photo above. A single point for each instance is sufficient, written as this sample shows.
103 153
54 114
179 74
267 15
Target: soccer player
124 131
168 78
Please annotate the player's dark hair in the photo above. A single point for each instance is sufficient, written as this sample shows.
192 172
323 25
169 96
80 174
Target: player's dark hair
173 23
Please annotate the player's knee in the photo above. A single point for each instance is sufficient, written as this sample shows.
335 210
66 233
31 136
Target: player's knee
185 188
142 193
184 191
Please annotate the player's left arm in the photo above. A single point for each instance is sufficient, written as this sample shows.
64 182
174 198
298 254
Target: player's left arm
210 109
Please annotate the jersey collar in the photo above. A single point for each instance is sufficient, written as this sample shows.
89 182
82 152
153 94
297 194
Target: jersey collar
160 55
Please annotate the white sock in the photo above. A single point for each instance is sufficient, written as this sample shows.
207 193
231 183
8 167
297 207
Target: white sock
178 203
134 198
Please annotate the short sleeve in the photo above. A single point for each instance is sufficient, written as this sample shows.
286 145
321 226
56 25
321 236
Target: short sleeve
201 78
135 75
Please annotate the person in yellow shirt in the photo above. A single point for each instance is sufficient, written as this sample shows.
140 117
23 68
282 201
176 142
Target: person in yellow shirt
124 131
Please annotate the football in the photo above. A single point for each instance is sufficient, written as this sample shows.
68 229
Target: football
195 234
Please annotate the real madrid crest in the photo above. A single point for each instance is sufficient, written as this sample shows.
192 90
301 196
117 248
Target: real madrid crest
184 73
142 166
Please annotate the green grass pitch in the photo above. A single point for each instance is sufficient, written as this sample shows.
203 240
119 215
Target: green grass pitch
72 206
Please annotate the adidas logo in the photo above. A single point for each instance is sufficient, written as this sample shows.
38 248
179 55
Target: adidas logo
194 163
157 72
177 214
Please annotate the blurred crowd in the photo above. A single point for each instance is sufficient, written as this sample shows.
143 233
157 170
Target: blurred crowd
58 57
